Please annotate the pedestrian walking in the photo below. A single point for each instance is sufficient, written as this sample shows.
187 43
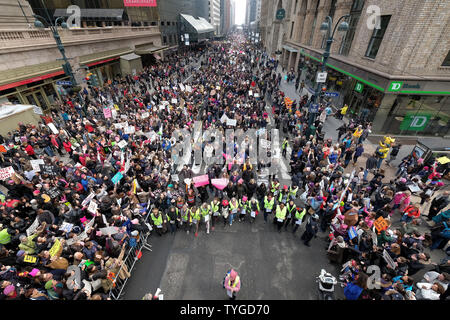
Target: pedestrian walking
232 284
311 229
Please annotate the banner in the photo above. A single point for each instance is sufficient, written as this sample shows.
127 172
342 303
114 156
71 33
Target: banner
219 183
88 199
6 173
139 3
201 180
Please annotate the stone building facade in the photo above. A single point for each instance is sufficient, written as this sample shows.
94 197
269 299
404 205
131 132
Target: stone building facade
397 76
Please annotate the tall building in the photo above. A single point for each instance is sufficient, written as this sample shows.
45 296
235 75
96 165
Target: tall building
225 17
232 13
397 76
214 15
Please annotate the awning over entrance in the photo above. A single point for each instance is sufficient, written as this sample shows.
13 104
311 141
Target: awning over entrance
115 14
289 48
28 74
149 49
201 25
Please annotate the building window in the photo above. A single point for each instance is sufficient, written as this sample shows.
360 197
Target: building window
295 7
332 8
377 37
292 29
311 36
355 14
446 62
162 23
168 23
164 39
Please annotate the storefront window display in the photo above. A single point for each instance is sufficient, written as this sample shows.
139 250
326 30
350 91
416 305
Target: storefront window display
419 115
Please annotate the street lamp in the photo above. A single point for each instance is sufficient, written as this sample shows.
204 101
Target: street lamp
54 28
325 29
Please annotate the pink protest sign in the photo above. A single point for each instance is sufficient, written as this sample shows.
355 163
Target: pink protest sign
219 183
139 3
107 112
201 180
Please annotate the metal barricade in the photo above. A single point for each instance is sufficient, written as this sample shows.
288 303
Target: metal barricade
129 261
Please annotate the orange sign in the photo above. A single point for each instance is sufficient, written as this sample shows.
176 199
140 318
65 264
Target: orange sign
2 148
380 224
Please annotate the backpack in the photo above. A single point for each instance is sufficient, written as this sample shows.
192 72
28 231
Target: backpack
226 275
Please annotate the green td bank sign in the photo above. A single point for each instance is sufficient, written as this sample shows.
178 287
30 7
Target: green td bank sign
415 121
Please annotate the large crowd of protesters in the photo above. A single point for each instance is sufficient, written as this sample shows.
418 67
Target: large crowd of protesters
67 221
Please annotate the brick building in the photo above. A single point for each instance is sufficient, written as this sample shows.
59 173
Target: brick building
397 76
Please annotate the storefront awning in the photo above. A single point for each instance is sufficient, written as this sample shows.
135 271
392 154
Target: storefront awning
115 14
289 48
201 25
149 49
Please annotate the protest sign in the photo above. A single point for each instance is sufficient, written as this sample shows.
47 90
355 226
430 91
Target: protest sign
174 101
48 169
182 87
92 207
388 259
130 130
3 148
202 180
55 248
38 110
66 227
52 127
109 230
107 113
352 233
122 144
231 122
219 183
88 199
6 173
117 177
380 224
35 164
224 118
54 193
188 88
145 115
175 178
31 229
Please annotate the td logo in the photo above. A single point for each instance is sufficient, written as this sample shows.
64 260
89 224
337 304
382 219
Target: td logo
395 86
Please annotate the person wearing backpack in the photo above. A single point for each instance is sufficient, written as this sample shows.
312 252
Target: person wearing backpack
232 283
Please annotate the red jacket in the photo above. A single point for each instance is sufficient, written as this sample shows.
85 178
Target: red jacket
29 149
67 145
412 211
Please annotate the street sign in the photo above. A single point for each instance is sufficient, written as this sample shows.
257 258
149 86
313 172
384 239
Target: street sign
321 77
332 94
314 108
281 13
64 83
359 87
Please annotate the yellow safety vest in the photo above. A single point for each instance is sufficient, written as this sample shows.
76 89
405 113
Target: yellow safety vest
205 212
214 207
5 238
236 281
157 221
281 213
267 204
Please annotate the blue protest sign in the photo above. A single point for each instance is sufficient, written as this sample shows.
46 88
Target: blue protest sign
332 94
117 177
352 233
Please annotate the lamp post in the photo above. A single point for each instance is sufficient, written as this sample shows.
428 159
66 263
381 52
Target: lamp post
325 29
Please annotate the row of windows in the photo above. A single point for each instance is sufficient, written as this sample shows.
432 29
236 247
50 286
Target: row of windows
355 14
168 23
170 39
